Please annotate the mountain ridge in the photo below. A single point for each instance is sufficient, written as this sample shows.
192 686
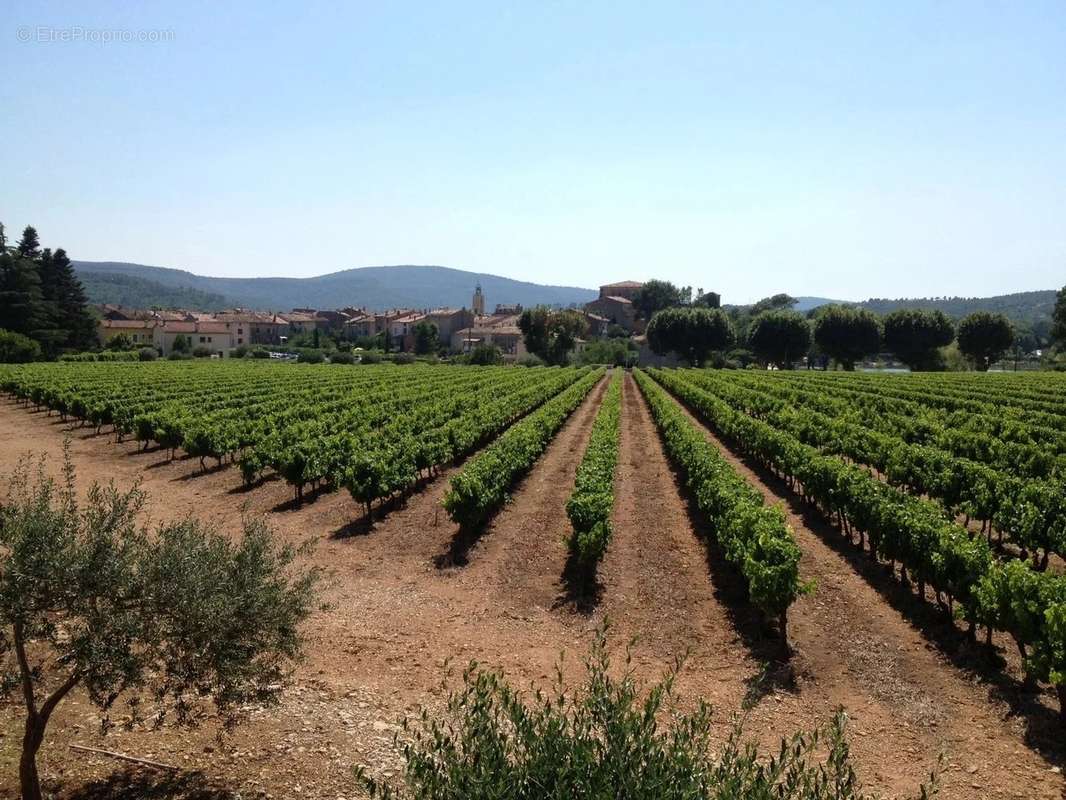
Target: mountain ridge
415 286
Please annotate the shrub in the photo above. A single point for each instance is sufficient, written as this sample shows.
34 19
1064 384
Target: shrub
177 355
240 351
147 354
607 740
485 354
403 358
17 349
310 357
370 357
259 352
530 360
342 358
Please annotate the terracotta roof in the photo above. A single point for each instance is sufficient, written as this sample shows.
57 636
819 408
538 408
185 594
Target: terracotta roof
623 285
129 323
618 299
195 327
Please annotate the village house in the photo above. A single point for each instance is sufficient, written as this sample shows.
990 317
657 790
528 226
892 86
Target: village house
254 327
215 336
615 304
141 332
305 321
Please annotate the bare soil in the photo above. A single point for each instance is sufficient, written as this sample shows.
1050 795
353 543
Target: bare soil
410 603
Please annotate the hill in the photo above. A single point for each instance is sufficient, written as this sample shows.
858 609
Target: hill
134 292
372 287
1026 308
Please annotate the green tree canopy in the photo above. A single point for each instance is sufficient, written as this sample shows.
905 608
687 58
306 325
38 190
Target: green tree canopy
1058 319
984 338
915 337
89 597
847 334
426 338
29 246
780 337
17 349
551 335
656 295
692 333
777 302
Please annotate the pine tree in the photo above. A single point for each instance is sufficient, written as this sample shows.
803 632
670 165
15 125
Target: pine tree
21 303
65 297
29 245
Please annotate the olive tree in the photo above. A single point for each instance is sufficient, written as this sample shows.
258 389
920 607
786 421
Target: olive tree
984 338
780 337
915 336
692 333
167 618
847 334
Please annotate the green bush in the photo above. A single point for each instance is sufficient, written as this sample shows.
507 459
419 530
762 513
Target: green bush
608 739
259 352
310 357
17 349
147 354
485 354
202 351
530 360
370 357
403 358
240 351
342 358
177 355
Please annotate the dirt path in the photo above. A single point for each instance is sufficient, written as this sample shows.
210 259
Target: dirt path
907 700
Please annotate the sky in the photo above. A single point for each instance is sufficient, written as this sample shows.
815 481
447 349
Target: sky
846 150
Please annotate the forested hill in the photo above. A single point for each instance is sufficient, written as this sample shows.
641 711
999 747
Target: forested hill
1027 307
134 292
372 287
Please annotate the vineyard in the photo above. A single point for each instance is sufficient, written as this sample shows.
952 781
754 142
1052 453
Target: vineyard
945 490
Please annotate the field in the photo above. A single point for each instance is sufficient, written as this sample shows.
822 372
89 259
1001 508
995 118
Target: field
901 536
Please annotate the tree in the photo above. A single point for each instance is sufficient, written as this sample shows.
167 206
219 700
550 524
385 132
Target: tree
780 337
182 344
551 335
1058 319
21 302
915 337
692 333
775 303
29 245
17 349
89 597
984 338
846 334
656 295
426 338
485 355
120 342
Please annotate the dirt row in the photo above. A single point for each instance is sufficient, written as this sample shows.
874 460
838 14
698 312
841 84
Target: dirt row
404 610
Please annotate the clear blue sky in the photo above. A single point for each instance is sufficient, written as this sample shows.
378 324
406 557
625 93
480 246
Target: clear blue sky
845 150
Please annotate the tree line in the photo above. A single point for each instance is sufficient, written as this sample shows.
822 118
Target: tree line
773 333
43 308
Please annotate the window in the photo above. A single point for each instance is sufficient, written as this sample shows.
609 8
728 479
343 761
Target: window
239 340
202 340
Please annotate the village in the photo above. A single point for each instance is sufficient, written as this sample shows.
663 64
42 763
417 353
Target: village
459 330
